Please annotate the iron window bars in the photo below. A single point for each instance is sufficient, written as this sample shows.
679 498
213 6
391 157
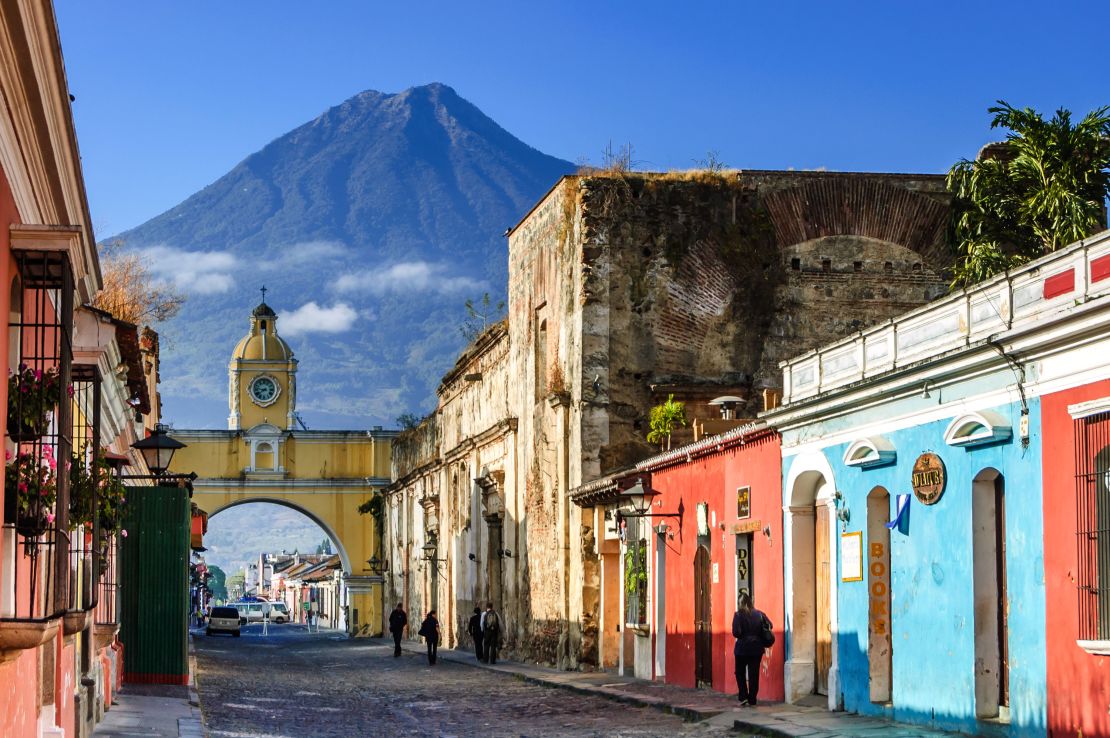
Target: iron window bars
35 538
85 558
1092 482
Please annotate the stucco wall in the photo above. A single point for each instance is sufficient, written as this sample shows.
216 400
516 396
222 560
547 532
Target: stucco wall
1078 682
931 577
714 480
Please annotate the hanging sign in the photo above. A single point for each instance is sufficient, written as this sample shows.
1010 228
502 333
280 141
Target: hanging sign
743 502
928 478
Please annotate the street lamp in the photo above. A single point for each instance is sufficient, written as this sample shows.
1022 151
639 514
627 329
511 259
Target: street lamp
639 498
377 565
158 449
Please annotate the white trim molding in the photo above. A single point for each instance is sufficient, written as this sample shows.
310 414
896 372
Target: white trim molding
868 452
1082 410
1097 648
977 428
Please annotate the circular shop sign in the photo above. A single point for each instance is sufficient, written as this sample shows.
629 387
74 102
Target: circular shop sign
928 478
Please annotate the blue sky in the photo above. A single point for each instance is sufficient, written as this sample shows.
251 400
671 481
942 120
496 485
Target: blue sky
172 95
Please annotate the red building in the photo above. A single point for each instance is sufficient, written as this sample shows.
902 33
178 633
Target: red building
1076 461
670 581
729 488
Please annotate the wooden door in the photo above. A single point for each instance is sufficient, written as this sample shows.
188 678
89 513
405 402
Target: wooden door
1000 572
703 620
822 576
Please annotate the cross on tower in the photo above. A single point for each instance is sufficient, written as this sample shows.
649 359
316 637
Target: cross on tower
263 293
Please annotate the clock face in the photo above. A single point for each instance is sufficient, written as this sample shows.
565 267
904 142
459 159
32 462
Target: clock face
263 389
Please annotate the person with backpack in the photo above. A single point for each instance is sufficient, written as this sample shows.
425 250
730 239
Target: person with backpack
474 628
398 621
491 633
753 633
430 630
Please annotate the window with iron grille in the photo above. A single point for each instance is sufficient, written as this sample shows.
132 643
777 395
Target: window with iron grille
1092 481
635 577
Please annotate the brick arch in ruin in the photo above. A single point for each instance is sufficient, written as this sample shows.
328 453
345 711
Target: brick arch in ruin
855 205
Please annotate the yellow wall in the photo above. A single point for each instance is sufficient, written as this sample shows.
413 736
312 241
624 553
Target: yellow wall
326 479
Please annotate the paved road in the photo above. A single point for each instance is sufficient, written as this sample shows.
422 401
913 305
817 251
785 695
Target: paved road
297 685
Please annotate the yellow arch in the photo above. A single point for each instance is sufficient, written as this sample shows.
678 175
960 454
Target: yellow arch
344 558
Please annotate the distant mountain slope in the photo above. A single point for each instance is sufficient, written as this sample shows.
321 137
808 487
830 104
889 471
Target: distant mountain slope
386 212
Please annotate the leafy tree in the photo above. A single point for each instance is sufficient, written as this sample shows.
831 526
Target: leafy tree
408 421
235 584
1044 188
480 315
130 292
662 419
217 583
324 547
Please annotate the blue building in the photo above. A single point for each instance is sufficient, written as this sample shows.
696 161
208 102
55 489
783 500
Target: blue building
912 498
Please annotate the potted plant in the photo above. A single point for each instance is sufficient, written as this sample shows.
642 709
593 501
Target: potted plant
662 420
31 487
32 396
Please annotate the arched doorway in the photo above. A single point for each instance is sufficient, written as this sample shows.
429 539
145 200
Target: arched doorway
988 531
880 651
811 655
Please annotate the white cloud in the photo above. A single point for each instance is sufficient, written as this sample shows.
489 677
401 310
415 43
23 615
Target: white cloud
306 252
408 276
311 318
194 272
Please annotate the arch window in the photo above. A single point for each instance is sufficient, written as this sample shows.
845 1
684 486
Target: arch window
977 429
868 452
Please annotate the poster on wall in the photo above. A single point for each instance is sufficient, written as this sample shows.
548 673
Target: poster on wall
743 502
851 556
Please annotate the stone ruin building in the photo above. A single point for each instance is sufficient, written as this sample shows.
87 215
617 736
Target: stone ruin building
625 288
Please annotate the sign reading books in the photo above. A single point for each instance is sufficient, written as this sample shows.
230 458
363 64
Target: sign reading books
743 502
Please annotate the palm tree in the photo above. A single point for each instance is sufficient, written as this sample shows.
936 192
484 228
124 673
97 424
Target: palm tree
1044 188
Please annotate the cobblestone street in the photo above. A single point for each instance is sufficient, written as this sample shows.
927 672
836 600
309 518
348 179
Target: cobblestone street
292 684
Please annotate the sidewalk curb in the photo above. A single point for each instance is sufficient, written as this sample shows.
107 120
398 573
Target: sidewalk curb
194 695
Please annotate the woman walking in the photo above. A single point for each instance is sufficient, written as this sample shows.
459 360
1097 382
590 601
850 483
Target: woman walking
752 630
430 630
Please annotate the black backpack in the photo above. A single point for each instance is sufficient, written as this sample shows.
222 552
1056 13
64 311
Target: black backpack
493 624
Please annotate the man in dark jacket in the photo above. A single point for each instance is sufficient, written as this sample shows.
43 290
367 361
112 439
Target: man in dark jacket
491 633
747 628
398 621
474 628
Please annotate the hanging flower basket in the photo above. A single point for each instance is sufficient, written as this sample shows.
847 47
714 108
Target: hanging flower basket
24 432
30 490
32 396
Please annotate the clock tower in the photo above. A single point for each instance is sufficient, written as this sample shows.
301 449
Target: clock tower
262 386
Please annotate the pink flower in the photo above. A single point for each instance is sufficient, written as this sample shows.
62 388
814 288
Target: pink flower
7 456
69 390
23 487
50 517
123 533
38 374
45 492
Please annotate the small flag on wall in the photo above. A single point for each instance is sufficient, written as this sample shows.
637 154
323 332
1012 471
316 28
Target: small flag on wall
901 518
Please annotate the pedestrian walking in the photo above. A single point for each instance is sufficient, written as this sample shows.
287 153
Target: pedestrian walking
398 621
753 633
491 633
430 630
474 628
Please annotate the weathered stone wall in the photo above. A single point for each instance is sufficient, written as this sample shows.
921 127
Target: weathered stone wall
449 487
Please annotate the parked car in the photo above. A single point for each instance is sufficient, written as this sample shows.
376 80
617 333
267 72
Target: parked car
223 620
279 612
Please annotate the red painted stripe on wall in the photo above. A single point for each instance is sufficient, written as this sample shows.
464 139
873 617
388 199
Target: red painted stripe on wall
1100 268
1059 284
